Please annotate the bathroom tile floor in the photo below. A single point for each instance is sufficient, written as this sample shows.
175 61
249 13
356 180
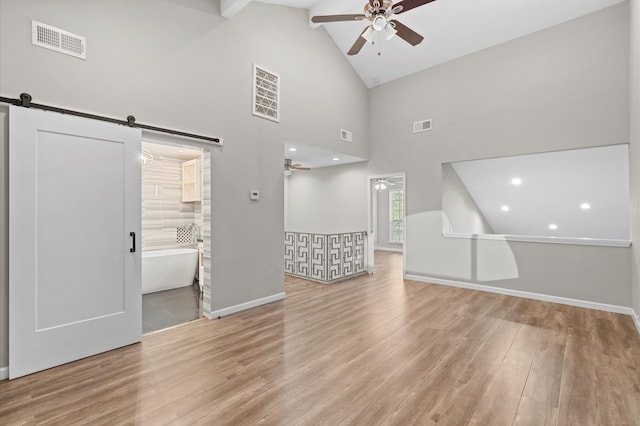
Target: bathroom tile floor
167 308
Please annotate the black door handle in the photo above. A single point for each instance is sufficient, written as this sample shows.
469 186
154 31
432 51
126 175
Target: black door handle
133 235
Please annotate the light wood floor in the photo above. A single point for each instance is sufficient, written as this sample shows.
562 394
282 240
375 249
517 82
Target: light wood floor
374 350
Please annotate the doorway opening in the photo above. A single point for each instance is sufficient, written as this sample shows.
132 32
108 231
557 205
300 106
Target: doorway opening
387 215
176 228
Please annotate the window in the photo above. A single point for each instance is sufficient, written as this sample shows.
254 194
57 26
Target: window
396 214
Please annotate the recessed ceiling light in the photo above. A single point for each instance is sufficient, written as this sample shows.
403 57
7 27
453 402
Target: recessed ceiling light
336 158
516 181
553 226
180 150
504 208
585 206
292 149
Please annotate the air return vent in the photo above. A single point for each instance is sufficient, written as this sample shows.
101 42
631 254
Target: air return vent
421 126
266 94
59 40
346 135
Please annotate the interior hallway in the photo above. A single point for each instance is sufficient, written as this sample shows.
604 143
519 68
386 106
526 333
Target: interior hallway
372 350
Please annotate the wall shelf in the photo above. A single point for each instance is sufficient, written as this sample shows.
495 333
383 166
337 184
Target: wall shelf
191 181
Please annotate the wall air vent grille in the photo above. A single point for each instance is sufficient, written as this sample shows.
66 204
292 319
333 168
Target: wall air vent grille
59 40
346 135
266 94
422 126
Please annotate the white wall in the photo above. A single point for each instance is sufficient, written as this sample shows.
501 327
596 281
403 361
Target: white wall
383 239
178 64
564 87
542 92
634 137
327 200
4 240
460 213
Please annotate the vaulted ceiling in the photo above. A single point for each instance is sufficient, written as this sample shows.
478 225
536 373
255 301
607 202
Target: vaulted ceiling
580 193
451 29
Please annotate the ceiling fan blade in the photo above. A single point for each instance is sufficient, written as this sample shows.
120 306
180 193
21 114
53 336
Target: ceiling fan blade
407 34
357 46
337 18
408 5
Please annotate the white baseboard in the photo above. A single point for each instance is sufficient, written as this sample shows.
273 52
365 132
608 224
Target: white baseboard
393 249
636 320
537 296
4 373
247 305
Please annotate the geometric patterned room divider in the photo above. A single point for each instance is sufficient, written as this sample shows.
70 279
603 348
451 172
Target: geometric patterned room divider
324 257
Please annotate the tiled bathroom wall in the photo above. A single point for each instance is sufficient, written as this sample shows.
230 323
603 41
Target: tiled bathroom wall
163 212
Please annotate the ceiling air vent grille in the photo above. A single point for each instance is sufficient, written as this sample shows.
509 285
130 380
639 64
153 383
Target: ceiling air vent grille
266 94
59 40
346 135
421 126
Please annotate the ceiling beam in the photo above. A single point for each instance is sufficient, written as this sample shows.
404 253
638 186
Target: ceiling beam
228 8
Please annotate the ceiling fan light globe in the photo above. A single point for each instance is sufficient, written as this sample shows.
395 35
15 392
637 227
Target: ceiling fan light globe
368 34
389 31
379 23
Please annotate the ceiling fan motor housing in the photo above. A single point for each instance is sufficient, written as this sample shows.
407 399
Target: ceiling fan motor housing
377 8
378 13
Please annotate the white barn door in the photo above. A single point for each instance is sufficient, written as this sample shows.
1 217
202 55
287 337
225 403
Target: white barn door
74 211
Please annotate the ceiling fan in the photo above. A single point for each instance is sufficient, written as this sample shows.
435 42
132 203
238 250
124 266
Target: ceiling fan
379 13
290 167
382 183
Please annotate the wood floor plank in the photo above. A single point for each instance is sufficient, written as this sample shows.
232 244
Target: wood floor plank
578 403
391 393
541 395
437 386
374 350
498 404
535 413
618 391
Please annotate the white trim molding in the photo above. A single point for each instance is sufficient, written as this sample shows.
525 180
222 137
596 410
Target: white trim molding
525 294
246 305
4 373
636 320
393 249
550 240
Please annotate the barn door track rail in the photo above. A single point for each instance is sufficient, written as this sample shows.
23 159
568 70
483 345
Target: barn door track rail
25 101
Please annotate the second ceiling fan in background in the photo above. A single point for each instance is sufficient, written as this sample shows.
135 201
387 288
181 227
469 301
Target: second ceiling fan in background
379 13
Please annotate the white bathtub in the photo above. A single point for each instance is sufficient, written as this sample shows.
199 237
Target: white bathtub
166 269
